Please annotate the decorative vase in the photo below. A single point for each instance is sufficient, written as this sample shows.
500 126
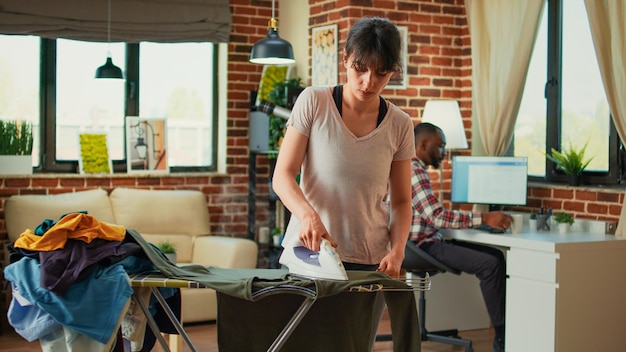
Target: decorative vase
16 165
564 227
171 257
574 180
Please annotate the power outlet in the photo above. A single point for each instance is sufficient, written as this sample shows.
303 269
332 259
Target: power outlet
609 227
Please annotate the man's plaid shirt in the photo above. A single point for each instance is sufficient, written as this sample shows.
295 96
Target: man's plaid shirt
429 215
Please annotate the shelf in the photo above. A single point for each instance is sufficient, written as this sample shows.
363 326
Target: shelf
252 195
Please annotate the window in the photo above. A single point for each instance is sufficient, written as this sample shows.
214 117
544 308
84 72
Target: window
564 100
51 82
176 85
19 83
86 104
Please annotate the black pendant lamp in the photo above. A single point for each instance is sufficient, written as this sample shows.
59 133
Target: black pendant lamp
272 50
109 70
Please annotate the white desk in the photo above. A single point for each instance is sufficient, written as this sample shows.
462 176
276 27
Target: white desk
565 292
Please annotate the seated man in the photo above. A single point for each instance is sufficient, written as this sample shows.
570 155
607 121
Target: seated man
429 216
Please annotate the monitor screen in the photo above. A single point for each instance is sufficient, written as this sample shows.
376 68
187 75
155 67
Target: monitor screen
493 180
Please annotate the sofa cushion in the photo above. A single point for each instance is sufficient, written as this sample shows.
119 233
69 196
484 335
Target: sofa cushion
174 215
29 211
161 211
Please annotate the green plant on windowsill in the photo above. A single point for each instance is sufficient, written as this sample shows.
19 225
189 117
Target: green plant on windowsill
563 218
570 161
16 137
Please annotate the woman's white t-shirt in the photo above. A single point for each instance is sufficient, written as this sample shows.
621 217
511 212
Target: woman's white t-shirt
345 177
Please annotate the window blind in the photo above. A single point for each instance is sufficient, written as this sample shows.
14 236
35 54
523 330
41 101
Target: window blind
165 21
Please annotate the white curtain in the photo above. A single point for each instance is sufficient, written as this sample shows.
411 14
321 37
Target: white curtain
608 29
132 21
502 34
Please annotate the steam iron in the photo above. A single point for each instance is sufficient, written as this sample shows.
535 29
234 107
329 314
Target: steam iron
304 262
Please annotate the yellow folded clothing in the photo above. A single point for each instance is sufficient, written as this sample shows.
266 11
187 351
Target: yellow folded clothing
76 226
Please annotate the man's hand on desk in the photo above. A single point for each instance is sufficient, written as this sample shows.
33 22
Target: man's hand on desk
497 219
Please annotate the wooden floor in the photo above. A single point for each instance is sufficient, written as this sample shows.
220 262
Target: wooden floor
204 338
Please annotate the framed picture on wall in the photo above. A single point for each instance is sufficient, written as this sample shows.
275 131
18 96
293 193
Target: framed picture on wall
324 56
94 153
398 80
146 145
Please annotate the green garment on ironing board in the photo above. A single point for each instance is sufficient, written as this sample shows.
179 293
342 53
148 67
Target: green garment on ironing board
339 320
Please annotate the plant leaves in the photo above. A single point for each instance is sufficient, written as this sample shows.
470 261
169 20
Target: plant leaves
16 137
571 161
278 97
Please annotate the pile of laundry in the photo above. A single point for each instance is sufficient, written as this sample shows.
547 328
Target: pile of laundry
70 283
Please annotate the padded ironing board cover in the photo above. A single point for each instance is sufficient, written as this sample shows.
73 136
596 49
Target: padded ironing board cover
336 308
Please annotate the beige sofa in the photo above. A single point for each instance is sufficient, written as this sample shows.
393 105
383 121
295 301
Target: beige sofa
179 216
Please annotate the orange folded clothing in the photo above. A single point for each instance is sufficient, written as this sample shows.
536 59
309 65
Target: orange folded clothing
78 226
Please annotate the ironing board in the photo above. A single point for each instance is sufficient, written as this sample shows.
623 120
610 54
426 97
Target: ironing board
154 281
256 284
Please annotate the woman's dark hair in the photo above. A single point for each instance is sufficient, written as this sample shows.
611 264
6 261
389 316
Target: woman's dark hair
375 42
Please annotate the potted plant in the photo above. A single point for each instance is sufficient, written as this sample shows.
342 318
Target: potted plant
169 249
277 236
278 97
564 220
16 146
571 161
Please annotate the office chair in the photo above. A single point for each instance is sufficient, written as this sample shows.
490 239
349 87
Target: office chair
420 263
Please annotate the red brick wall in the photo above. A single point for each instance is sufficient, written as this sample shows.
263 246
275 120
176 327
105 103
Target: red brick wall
583 203
438 66
438 62
439 57
226 195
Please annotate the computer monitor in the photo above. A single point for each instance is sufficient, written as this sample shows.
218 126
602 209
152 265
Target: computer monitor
492 180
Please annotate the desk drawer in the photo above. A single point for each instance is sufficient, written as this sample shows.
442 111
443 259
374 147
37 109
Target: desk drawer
532 265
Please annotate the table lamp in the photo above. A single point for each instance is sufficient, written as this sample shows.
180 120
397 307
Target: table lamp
446 115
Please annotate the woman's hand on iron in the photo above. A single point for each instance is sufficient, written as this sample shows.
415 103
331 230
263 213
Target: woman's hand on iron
312 230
